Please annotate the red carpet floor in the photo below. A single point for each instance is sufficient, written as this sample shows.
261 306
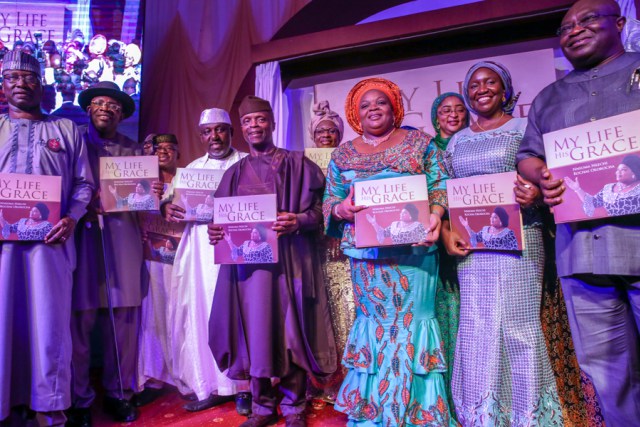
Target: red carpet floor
167 411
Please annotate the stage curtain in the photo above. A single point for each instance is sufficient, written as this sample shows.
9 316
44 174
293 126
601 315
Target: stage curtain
196 54
269 87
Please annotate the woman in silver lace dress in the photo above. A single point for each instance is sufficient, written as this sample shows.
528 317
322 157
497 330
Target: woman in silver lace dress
501 375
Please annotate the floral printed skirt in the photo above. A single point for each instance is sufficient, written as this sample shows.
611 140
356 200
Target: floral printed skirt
394 352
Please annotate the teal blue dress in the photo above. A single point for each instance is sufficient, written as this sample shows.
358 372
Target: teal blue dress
394 353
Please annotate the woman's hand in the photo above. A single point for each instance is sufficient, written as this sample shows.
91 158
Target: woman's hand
552 189
433 232
227 238
286 223
158 188
453 242
574 185
112 190
346 210
372 220
527 193
215 232
463 221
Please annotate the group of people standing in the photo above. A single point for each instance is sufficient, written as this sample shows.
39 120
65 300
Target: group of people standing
427 334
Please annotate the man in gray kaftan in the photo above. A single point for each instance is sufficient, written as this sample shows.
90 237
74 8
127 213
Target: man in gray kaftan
36 277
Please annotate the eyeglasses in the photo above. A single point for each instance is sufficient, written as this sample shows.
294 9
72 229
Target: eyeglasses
108 105
447 111
165 150
29 79
331 131
582 23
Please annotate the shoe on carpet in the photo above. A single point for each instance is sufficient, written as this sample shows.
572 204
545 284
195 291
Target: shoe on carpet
120 409
78 417
146 396
295 420
260 420
243 403
209 402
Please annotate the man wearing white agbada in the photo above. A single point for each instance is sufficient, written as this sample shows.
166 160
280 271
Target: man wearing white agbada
193 282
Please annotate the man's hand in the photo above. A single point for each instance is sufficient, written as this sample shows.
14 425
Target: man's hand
215 232
286 223
158 188
62 231
173 213
552 189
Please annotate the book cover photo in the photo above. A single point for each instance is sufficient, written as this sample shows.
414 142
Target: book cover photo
483 210
319 156
29 205
247 222
397 211
125 183
193 190
162 237
600 164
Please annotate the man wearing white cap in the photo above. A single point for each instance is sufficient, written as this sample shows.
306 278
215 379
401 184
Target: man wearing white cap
194 278
36 277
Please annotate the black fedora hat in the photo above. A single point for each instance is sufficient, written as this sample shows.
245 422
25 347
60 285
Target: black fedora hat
111 90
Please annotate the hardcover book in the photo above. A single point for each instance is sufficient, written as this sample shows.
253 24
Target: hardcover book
29 205
162 237
600 164
125 183
194 189
319 156
397 211
483 210
248 236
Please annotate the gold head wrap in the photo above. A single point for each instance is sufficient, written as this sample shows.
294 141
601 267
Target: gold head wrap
385 86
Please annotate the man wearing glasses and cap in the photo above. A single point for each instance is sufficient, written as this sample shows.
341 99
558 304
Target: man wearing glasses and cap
106 105
194 277
36 277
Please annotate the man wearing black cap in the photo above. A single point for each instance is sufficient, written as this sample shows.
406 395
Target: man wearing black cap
36 277
106 106
272 321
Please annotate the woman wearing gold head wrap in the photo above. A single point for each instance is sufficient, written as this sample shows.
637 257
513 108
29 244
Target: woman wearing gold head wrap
326 130
394 354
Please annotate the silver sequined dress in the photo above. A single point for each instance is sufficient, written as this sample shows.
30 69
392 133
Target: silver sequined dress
502 375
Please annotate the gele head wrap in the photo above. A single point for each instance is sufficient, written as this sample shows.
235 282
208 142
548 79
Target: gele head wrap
389 88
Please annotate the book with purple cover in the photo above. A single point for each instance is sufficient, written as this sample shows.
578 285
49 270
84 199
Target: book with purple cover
193 190
125 183
397 211
29 205
477 202
247 222
591 159
319 156
162 237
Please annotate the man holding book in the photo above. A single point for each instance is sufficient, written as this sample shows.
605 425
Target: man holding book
194 278
106 106
36 277
598 261
270 322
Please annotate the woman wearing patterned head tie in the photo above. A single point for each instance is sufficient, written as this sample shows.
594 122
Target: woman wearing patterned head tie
501 376
394 353
448 116
326 130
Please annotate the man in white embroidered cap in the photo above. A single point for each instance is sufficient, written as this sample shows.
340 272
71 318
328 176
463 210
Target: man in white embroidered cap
194 277
36 277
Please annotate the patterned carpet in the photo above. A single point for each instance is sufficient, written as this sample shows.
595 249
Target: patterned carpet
167 411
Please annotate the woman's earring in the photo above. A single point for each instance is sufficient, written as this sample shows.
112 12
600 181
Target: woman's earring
504 98
437 126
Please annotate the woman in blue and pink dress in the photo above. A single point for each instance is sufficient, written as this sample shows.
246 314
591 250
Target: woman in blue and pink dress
393 354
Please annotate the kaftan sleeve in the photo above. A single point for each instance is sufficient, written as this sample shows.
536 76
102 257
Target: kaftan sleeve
436 178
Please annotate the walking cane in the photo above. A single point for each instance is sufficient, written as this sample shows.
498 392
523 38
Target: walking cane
110 302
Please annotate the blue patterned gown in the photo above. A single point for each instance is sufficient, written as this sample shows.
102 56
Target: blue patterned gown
501 375
394 353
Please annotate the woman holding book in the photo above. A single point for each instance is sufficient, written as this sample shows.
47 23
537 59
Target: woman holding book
140 200
36 227
256 250
394 353
449 115
496 235
326 130
501 376
619 198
